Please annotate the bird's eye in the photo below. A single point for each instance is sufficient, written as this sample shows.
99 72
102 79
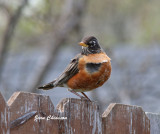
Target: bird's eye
92 42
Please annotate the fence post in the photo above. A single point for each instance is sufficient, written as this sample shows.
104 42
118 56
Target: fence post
72 116
24 107
82 116
4 116
155 122
125 119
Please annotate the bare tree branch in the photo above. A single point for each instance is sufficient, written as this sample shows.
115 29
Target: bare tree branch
69 20
9 32
6 9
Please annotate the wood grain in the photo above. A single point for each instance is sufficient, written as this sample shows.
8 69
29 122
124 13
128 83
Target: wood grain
125 119
4 116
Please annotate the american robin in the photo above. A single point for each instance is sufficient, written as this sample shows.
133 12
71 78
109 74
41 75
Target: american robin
86 71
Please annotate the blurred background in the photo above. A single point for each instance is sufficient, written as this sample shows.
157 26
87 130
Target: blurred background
39 38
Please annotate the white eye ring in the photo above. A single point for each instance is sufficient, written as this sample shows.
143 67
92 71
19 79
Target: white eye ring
94 42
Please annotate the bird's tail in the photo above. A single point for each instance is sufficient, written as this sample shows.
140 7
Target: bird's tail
48 86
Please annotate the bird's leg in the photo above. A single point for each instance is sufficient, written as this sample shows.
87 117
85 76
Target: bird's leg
76 93
85 95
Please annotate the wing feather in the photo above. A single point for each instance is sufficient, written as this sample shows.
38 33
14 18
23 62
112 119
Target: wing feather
68 73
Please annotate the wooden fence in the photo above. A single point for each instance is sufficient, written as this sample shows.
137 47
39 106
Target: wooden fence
29 113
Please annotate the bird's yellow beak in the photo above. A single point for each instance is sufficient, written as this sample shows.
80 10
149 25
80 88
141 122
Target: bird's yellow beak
83 44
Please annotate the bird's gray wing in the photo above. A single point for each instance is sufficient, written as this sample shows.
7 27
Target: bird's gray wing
69 72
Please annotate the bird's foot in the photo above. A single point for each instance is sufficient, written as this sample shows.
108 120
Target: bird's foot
84 98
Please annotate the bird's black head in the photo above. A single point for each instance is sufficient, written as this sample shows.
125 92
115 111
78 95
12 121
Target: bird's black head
90 45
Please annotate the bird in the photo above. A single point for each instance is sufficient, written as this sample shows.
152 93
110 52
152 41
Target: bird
88 70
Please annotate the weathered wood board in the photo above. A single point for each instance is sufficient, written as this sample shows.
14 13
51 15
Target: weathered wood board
155 122
31 113
125 119
4 116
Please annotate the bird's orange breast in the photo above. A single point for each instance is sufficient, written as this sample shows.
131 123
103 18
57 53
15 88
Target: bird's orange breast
85 80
